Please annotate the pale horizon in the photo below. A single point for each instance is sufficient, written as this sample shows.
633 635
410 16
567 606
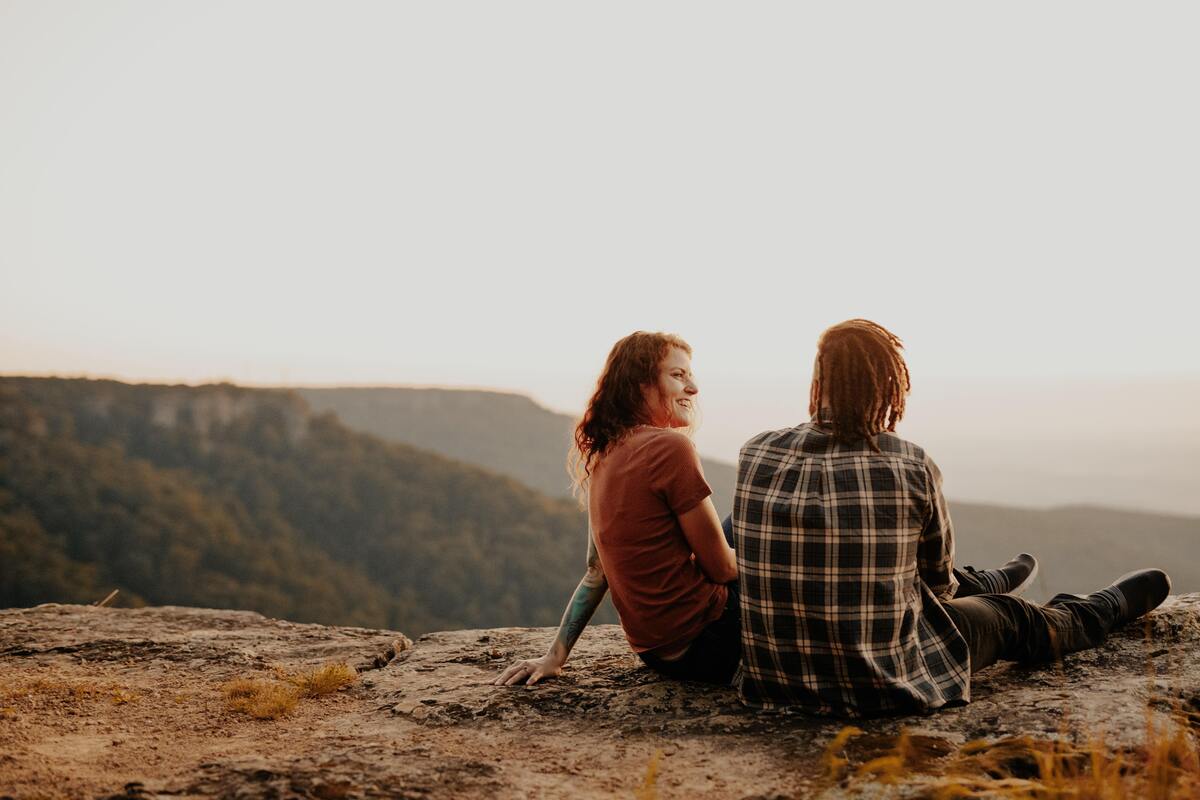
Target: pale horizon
286 193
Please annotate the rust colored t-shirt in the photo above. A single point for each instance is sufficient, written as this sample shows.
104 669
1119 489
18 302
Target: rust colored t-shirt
638 490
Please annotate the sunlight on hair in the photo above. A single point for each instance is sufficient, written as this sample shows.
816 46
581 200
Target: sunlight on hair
617 405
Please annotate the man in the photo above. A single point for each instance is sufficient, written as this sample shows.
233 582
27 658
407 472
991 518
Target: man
846 559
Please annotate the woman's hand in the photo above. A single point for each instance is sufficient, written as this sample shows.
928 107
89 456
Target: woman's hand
530 671
587 598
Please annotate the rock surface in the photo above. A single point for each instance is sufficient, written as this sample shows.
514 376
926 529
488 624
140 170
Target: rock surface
98 702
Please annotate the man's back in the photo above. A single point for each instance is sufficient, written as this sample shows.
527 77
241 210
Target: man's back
843 553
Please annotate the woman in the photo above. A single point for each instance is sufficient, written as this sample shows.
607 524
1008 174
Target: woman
654 537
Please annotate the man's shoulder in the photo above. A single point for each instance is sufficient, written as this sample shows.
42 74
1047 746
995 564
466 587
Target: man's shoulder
781 439
810 439
895 445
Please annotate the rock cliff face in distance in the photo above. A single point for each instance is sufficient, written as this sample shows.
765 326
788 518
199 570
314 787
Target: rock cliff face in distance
98 702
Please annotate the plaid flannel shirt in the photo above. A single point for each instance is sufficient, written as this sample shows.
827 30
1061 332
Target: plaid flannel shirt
843 554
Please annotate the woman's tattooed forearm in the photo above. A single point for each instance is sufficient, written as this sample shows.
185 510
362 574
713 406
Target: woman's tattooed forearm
587 598
579 611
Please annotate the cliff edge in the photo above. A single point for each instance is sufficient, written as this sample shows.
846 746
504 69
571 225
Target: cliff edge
98 702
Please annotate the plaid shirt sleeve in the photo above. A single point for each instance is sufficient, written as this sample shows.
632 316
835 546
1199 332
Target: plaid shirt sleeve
935 550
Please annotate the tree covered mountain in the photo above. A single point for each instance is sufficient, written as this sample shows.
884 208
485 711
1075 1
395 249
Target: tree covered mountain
506 433
1080 548
243 498
230 497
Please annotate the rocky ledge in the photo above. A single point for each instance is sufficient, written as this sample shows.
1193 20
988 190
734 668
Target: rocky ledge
98 702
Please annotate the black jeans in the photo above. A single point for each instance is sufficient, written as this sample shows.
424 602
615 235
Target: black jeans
714 655
998 627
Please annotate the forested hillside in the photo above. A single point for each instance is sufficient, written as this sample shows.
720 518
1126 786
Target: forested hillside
240 498
1080 548
243 498
508 433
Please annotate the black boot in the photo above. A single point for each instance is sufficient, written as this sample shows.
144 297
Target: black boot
1013 578
1136 593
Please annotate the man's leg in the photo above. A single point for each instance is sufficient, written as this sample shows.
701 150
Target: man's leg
1012 578
1004 628
971 583
999 627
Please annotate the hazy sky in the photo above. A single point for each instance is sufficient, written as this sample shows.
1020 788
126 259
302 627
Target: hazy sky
490 194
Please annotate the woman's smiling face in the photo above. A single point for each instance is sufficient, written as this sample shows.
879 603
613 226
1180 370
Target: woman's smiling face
669 401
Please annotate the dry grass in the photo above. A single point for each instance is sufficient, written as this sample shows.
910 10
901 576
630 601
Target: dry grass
1165 767
120 697
649 788
260 699
892 767
50 687
272 699
42 690
323 680
835 764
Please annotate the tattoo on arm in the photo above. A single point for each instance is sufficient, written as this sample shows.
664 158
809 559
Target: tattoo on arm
587 598
595 570
583 605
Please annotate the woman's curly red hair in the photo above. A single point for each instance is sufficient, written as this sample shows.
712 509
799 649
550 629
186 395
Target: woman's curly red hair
618 404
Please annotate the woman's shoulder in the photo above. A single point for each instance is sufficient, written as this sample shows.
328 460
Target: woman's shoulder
649 433
665 441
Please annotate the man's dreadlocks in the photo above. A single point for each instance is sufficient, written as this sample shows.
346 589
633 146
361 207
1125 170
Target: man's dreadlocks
860 381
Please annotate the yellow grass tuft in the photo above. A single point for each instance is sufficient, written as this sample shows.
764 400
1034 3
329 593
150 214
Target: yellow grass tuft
121 697
323 680
890 768
56 690
649 788
1165 767
260 699
49 687
274 698
835 765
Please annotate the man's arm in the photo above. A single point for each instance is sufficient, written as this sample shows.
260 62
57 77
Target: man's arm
587 598
935 551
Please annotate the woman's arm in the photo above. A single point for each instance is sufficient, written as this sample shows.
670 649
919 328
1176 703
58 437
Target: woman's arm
587 598
702 529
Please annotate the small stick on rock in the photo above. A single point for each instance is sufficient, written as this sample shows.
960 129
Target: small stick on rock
107 600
